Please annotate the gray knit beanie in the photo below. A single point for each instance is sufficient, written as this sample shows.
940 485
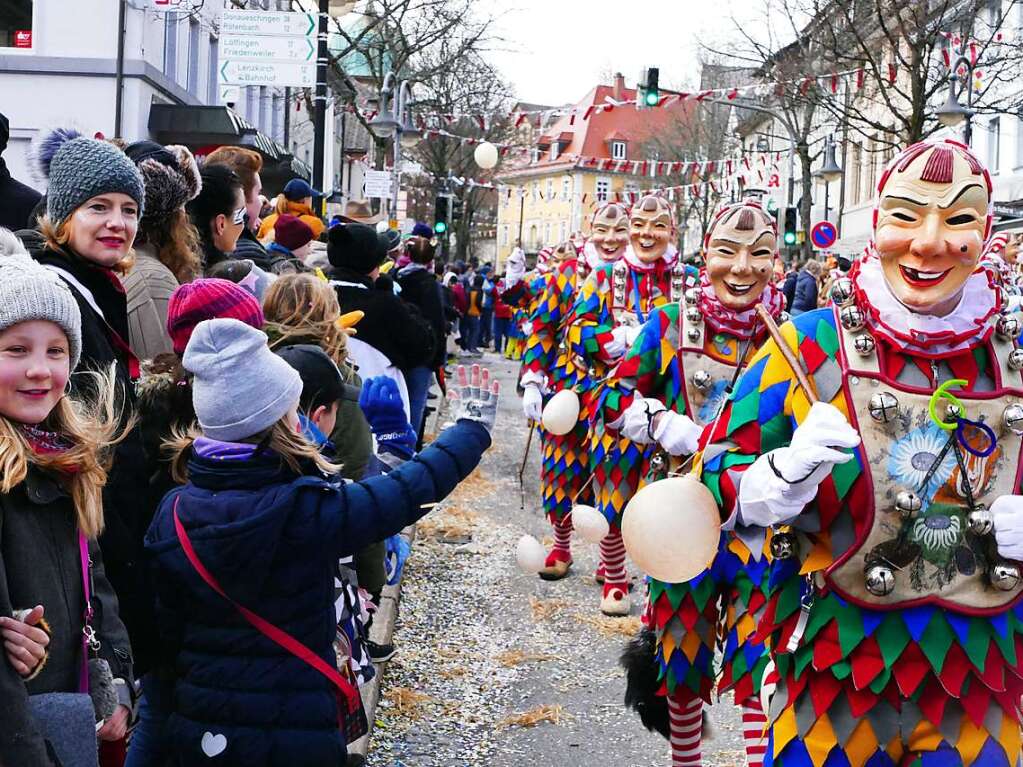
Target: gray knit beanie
29 291
79 169
241 388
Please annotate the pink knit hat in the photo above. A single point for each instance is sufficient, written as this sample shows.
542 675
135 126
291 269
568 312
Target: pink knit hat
207 299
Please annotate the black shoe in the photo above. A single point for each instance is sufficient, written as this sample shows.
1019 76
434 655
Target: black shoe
380 653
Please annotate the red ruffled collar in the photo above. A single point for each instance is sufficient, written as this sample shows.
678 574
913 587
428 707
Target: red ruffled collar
966 326
739 324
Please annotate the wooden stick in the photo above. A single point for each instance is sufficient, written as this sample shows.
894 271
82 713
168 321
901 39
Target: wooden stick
786 353
522 468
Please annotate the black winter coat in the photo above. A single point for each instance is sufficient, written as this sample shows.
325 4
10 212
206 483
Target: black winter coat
805 299
390 326
126 506
421 289
272 540
16 201
40 564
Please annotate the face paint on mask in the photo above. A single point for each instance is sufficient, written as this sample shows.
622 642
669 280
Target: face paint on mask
740 256
651 229
931 224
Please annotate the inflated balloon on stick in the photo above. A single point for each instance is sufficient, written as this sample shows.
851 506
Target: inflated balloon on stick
591 525
530 555
561 413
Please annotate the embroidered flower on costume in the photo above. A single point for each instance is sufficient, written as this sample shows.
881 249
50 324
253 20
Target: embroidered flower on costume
937 533
912 457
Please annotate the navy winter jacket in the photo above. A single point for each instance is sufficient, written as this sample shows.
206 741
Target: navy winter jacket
806 294
272 540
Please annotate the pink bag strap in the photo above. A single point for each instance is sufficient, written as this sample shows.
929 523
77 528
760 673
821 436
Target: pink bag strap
282 638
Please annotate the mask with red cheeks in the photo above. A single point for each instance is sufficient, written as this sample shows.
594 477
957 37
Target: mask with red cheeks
739 254
651 228
610 231
931 224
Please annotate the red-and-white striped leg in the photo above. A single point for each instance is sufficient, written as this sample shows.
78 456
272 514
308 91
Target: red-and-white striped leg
612 557
686 727
563 538
753 723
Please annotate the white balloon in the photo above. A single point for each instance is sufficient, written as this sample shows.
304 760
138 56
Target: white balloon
671 529
530 555
486 155
591 525
562 413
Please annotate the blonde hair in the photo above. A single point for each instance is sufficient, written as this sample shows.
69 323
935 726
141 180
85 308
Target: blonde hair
57 237
294 449
92 428
300 307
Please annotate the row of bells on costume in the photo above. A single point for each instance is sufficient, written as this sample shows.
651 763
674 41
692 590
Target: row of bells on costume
619 281
879 579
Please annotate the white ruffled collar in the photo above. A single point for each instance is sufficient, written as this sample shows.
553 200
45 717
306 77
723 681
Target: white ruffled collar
595 259
669 258
970 322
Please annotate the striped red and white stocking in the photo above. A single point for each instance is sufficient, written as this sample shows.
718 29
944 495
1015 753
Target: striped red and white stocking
612 558
562 540
753 723
686 727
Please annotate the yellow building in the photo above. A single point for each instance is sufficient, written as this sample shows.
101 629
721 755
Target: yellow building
585 157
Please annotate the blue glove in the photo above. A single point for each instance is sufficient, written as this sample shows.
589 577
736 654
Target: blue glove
397 551
381 403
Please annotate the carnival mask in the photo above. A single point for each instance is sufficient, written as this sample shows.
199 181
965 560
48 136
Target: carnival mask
931 224
563 253
651 228
610 231
739 255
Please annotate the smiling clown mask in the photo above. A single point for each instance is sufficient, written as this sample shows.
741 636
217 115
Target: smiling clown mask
739 251
931 222
651 228
609 232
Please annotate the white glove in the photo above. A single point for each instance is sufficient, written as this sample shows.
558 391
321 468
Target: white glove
634 423
776 488
532 402
677 433
622 338
1008 514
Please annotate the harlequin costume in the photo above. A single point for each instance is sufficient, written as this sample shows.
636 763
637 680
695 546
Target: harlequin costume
894 614
549 367
684 360
612 304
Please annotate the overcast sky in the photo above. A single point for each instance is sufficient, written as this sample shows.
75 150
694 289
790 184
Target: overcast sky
555 50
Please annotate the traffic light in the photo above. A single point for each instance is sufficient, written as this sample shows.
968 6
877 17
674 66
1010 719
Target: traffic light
789 237
648 92
456 210
440 214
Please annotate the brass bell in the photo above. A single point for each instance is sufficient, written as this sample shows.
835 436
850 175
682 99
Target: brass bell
693 296
1005 576
842 291
879 580
783 317
1015 360
783 546
953 412
693 334
883 407
702 380
981 521
694 315
865 344
908 503
1012 418
1007 327
852 318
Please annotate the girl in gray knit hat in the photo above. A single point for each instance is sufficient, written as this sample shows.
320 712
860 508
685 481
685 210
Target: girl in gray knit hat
54 454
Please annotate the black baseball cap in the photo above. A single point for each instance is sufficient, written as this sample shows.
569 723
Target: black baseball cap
321 380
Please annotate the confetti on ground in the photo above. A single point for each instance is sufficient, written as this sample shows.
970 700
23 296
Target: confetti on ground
545 609
518 657
627 626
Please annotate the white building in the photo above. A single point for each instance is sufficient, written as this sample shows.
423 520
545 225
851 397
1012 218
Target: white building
60 65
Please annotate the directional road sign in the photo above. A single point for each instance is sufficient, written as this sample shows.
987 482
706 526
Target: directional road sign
276 23
260 48
823 234
279 73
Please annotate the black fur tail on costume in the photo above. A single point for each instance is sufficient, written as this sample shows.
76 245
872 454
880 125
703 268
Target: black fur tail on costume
640 664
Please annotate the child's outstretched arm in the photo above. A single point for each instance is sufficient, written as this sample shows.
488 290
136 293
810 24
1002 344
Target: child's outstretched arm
361 513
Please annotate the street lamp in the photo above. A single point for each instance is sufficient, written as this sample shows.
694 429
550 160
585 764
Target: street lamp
828 172
396 124
409 134
952 113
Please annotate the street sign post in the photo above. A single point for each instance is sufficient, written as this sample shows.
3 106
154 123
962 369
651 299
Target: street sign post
378 184
824 234
268 23
279 73
268 48
259 48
